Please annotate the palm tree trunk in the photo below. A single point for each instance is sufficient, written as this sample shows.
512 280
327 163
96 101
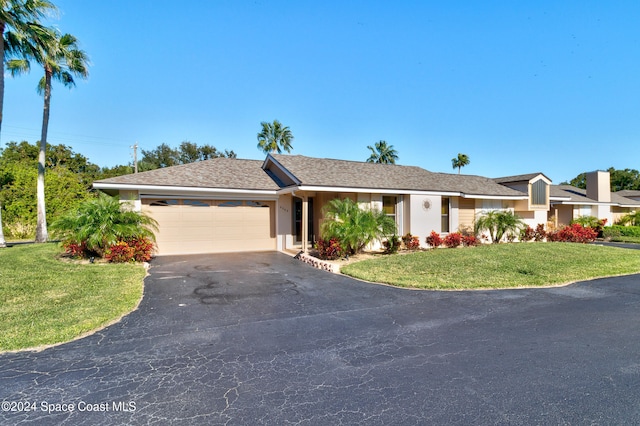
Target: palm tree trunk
41 226
3 243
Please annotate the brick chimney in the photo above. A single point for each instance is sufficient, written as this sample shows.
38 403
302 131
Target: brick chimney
599 186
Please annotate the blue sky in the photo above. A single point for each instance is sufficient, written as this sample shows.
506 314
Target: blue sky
519 87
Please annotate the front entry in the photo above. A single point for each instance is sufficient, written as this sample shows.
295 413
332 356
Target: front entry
297 220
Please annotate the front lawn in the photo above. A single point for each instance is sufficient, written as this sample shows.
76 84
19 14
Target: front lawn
497 266
44 300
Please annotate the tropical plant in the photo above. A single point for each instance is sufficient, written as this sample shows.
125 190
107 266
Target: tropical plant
355 227
16 18
460 161
274 137
499 223
62 60
575 233
101 222
632 219
434 239
383 153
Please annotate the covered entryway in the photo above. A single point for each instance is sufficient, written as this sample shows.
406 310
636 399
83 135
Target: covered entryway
187 226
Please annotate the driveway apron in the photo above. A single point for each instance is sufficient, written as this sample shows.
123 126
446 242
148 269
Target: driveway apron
261 338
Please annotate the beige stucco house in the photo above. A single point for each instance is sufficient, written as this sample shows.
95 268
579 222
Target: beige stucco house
226 205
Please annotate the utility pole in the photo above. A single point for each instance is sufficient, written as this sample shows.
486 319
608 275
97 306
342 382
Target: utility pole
135 157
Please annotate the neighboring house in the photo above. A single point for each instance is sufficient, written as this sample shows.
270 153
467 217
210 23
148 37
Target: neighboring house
569 202
226 205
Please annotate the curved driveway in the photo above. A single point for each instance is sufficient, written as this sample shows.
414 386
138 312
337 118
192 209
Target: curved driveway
261 338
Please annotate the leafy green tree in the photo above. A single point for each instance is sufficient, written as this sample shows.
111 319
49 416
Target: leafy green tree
460 161
355 227
101 222
62 60
620 179
274 137
383 153
187 152
498 223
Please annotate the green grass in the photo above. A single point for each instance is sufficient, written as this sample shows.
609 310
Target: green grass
44 300
498 266
621 239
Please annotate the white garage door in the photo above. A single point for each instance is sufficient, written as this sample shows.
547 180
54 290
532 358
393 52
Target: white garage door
212 226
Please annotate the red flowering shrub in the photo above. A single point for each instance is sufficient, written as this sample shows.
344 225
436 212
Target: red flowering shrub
527 234
120 252
575 233
329 249
540 233
137 249
434 239
142 249
75 249
411 242
470 241
453 240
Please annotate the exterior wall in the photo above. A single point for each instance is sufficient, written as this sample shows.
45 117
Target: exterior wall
423 220
131 196
602 212
284 213
466 214
617 213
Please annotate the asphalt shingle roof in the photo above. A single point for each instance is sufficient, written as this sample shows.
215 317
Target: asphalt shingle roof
580 195
353 174
215 173
518 178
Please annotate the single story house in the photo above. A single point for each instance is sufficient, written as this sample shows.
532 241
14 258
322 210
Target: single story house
226 205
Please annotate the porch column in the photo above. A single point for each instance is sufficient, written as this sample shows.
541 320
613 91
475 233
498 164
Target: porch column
305 223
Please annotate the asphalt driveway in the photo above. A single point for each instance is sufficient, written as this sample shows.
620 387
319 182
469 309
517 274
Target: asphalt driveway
262 338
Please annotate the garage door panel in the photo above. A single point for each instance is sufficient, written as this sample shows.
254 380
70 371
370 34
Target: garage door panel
185 229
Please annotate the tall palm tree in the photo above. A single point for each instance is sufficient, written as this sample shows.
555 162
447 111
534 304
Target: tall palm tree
61 59
382 153
274 137
460 161
15 17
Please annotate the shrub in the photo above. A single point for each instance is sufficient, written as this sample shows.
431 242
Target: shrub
527 234
119 252
540 234
470 240
411 242
355 227
75 250
434 239
453 240
329 249
499 223
632 219
392 244
142 249
102 222
623 231
575 233
591 222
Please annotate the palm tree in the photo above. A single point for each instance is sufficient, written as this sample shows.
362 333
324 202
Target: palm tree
274 137
16 16
382 153
460 161
61 59
499 223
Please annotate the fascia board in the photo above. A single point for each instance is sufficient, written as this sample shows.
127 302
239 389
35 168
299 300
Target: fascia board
180 189
495 197
371 190
275 162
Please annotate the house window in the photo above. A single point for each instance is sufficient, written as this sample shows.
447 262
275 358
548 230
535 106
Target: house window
195 203
164 203
256 204
389 205
445 214
230 204
539 193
